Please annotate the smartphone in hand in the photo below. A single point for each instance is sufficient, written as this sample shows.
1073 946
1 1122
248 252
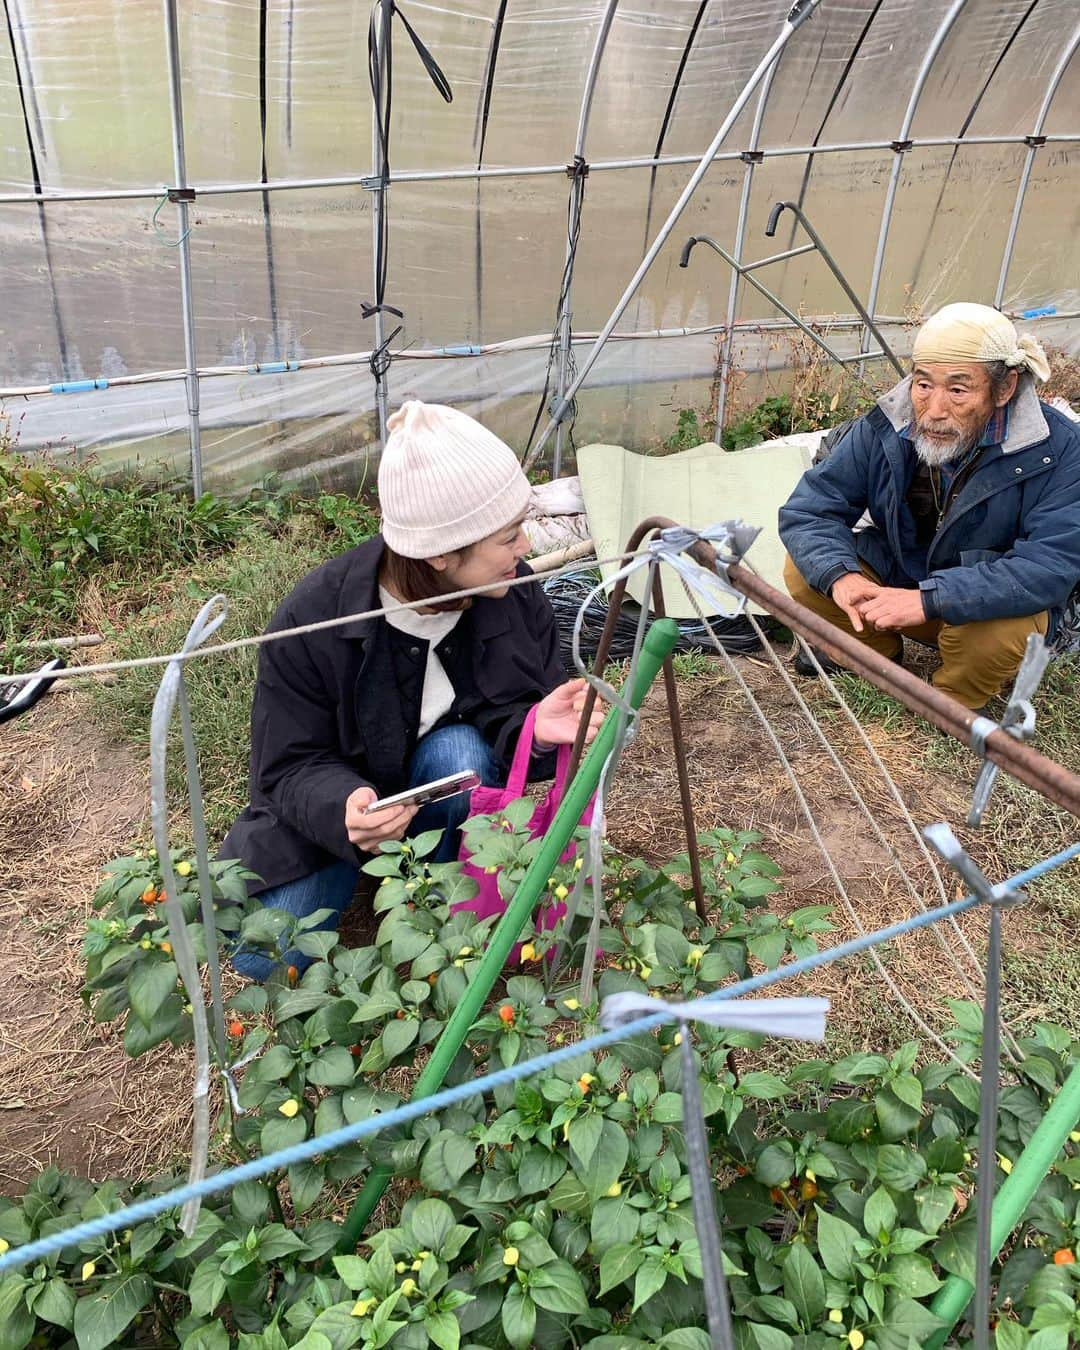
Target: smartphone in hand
428 792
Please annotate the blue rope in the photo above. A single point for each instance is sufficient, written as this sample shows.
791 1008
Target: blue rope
151 1207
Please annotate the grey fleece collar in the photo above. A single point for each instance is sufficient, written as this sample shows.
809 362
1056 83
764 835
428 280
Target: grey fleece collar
1027 425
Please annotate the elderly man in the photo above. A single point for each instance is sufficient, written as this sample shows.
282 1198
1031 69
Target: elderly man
950 513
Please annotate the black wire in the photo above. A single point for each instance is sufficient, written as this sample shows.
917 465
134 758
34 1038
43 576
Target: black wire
568 592
271 276
380 60
35 173
573 234
932 216
666 120
483 115
833 100
381 79
489 77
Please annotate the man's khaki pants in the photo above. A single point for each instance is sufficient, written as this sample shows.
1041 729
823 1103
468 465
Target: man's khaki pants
977 659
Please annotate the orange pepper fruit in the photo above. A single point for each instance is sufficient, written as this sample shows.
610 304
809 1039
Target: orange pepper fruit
1064 1257
506 1013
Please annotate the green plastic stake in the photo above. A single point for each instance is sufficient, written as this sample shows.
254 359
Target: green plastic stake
1013 1198
659 642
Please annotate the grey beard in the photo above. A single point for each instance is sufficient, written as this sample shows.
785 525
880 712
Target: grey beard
934 453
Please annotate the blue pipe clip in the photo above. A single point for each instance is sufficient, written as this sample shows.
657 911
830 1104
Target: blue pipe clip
1043 312
77 386
273 367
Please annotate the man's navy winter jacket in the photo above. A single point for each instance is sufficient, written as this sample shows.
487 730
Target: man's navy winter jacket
1009 544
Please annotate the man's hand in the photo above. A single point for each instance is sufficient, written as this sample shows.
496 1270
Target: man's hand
558 714
894 607
851 592
368 831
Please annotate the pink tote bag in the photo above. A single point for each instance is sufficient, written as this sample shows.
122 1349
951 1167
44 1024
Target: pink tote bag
487 800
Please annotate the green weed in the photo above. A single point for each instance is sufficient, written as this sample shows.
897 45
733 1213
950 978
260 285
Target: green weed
778 416
687 433
254 576
689 665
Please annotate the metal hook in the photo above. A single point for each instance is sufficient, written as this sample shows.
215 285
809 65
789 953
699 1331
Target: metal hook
1018 721
942 840
830 262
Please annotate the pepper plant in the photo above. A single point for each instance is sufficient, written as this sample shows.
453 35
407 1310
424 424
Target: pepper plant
556 1211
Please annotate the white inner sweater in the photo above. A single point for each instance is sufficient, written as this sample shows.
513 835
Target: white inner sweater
438 694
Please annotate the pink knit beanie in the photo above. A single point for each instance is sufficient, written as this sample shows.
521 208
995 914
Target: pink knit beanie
445 481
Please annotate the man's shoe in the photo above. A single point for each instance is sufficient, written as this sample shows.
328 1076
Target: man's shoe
804 666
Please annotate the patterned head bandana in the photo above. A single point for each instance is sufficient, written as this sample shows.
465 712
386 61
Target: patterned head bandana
968 332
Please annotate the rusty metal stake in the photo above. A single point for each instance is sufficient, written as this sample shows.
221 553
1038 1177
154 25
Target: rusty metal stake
637 537
1023 762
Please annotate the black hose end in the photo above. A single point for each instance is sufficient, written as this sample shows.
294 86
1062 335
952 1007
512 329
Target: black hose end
774 219
687 249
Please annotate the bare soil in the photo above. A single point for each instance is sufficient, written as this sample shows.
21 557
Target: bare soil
69 802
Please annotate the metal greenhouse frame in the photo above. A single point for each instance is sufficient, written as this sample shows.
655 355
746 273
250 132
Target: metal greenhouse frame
1024 52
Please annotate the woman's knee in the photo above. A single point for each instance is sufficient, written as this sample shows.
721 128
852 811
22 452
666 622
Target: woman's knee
457 748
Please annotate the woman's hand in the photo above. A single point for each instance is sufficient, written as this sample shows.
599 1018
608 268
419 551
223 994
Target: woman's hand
558 715
368 831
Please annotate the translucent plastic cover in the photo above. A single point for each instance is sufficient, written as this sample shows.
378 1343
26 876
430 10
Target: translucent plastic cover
932 145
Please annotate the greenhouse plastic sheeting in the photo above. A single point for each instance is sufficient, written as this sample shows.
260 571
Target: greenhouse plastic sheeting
933 145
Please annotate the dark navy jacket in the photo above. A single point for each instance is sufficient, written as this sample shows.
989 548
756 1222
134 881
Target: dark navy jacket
1009 544
339 709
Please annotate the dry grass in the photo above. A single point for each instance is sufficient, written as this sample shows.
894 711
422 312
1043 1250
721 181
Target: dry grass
69 802
1064 379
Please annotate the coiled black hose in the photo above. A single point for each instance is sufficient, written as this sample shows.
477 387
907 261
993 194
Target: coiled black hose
567 594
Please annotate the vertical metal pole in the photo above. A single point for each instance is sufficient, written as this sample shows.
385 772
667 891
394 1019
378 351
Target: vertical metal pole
678 745
1029 160
737 252
289 28
944 28
191 377
800 12
378 213
35 149
577 194
988 1108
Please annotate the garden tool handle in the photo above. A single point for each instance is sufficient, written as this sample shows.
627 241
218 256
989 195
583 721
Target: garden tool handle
27 694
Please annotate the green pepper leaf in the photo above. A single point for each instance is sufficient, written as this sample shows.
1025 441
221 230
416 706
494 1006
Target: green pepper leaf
102 1318
618 1264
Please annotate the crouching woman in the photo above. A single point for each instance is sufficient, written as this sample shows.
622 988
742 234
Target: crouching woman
349 714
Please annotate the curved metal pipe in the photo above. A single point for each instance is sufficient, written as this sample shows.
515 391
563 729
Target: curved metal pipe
740 239
1017 29
819 245
577 198
183 195
1029 160
799 13
944 28
773 299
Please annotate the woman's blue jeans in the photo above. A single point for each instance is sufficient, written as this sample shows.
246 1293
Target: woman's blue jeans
450 750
